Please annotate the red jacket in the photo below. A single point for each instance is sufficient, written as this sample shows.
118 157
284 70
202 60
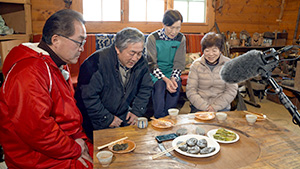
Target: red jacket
39 120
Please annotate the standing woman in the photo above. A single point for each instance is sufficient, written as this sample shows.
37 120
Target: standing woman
166 54
205 89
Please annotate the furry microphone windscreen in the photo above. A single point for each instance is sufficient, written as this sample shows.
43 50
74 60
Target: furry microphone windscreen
242 67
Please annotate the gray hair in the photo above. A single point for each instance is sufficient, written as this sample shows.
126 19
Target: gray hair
128 35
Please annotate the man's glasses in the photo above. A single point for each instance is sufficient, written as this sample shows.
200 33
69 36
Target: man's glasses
81 44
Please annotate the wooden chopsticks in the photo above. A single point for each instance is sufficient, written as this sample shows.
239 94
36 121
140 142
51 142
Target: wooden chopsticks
167 151
260 114
113 142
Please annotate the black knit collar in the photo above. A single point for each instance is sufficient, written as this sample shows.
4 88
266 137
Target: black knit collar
53 55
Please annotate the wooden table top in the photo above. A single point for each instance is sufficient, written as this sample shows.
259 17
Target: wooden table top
263 145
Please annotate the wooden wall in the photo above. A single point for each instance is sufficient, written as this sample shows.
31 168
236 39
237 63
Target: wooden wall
235 15
42 10
258 16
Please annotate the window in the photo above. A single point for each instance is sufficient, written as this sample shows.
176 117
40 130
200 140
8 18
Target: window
191 10
110 16
102 10
146 10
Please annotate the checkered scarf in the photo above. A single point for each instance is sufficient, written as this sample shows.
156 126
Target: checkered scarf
162 35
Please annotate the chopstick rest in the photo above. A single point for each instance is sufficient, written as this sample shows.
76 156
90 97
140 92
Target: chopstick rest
113 142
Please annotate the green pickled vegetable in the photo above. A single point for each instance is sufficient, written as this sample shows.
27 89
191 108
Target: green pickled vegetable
224 135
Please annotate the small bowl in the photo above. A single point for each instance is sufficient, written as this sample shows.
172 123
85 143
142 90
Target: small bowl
105 158
251 119
221 116
173 113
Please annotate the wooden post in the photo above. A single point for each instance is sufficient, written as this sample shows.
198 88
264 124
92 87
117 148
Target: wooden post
297 76
170 4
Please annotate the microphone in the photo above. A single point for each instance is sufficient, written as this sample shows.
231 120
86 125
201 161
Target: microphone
251 64
242 67
255 62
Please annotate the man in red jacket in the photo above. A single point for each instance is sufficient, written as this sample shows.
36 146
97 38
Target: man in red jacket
40 124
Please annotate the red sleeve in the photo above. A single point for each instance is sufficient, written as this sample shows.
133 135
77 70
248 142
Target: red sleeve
30 108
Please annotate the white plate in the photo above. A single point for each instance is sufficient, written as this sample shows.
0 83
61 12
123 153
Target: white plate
211 133
210 143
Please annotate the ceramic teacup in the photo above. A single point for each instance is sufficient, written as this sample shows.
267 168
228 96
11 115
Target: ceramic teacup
221 117
251 119
142 122
105 158
173 113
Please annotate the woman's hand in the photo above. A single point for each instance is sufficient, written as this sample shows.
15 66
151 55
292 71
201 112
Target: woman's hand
84 152
174 82
210 109
169 84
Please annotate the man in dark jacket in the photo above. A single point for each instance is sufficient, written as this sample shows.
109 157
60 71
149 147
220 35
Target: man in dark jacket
114 84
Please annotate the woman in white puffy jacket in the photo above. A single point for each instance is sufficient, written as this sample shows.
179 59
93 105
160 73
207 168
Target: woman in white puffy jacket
205 89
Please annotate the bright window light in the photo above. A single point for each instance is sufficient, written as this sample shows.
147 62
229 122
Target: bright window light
191 10
137 10
101 10
146 10
182 7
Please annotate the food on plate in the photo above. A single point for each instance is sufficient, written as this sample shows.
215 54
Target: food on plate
123 146
200 131
183 147
181 131
194 150
191 142
207 150
224 135
119 147
205 115
202 143
195 146
162 122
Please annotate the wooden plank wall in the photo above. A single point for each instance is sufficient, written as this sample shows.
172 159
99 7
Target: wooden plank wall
42 10
235 15
258 16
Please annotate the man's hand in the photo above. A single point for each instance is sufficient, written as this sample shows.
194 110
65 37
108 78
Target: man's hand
132 118
169 85
84 152
116 122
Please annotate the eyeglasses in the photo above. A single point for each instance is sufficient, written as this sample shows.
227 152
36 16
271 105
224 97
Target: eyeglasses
81 44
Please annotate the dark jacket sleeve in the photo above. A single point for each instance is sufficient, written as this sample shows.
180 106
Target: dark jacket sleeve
90 84
145 87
